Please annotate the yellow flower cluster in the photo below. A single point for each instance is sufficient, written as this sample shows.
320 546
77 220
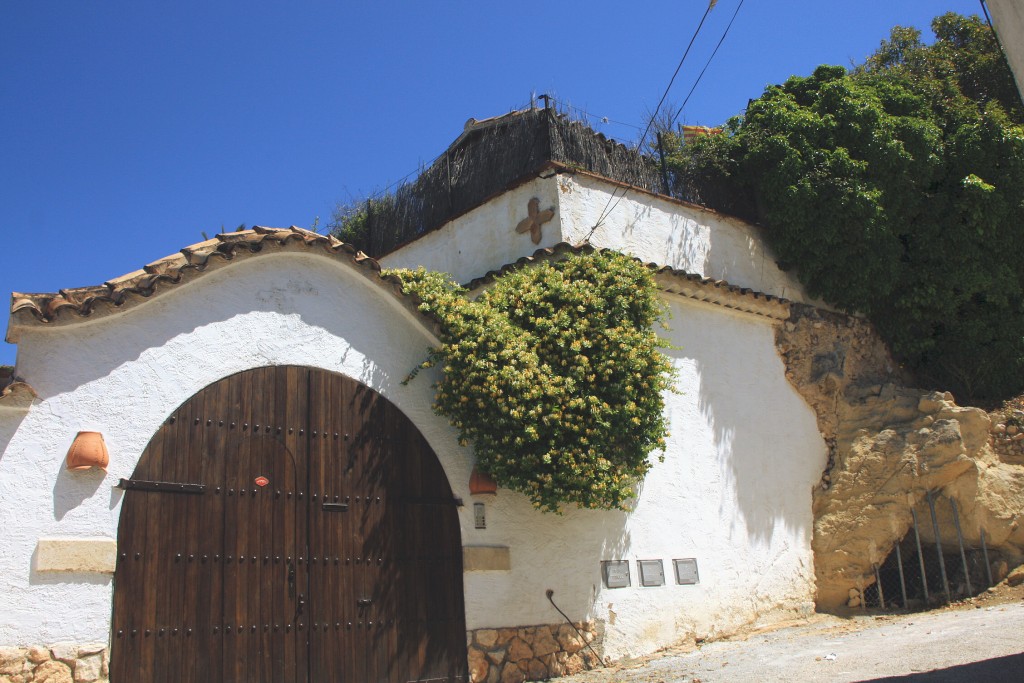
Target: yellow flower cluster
554 374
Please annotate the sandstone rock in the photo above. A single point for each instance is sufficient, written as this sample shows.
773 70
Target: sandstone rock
65 652
1011 429
519 650
498 656
574 664
505 635
543 642
569 640
88 668
12 660
931 403
512 674
38 655
487 637
52 672
1016 577
536 670
478 666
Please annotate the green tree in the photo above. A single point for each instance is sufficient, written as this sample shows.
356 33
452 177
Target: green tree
897 191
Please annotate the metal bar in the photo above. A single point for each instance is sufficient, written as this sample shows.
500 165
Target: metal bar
878 588
664 170
920 556
938 547
984 550
160 486
903 583
335 507
960 540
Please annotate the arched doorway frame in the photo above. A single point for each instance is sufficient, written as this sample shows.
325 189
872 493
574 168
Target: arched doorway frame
396 437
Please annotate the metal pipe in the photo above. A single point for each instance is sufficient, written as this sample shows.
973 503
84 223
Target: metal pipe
878 586
920 556
903 583
984 550
664 170
938 547
960 540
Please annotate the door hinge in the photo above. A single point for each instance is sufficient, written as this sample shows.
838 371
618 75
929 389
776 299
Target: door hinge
160 486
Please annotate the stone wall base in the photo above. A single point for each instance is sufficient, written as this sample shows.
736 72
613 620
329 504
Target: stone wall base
531 653
60 663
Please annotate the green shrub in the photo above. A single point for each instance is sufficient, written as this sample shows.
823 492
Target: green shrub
554 374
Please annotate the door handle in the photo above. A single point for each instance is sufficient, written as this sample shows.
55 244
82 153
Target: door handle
363 602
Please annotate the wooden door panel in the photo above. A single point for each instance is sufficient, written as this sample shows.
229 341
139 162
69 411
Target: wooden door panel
324 547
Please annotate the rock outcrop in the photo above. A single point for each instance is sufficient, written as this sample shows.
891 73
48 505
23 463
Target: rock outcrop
889 447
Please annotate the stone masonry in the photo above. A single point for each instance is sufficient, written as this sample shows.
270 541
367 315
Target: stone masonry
531 653
60 663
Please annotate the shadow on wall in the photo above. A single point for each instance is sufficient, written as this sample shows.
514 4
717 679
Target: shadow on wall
320 300
316 298
766 442
687 245
10 420
562 553
73 488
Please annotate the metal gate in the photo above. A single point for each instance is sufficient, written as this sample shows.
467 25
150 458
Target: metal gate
288 525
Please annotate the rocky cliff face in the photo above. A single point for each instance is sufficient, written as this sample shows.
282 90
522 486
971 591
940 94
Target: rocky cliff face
890 445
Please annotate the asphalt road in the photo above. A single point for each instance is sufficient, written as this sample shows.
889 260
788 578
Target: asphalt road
974 643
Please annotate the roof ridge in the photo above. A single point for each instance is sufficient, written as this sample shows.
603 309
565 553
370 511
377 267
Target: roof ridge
116 293
670 280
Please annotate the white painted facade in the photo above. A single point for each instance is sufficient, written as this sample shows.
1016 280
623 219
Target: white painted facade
733 491
650 227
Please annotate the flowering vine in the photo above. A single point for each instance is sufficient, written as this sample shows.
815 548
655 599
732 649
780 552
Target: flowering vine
554 374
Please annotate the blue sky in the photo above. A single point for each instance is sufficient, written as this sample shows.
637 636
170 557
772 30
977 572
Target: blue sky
129 128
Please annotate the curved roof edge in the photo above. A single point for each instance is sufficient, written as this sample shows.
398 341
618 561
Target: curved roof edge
70 306
17 395
669 280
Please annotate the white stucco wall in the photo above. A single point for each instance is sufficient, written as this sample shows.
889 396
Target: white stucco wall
670 234
1008 20
653 229
733 491
485 238
123 375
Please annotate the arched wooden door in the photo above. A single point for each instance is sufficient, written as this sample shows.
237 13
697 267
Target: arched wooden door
288 525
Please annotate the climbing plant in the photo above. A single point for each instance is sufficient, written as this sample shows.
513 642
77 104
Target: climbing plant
895 190
554 374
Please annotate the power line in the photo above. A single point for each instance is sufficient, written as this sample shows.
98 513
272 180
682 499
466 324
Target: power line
609 207
713 53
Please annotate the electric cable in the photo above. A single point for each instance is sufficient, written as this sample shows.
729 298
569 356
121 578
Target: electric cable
706 65
609 207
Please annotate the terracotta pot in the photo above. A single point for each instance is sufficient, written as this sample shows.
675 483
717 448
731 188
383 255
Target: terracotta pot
87 451
482 484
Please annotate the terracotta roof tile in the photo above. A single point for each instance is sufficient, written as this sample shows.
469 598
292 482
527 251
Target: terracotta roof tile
16 394
72 305
669 280
69 305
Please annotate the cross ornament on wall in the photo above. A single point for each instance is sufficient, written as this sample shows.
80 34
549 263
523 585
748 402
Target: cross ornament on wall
534 220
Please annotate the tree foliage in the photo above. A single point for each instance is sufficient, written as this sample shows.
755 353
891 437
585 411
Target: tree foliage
895 190
554 374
